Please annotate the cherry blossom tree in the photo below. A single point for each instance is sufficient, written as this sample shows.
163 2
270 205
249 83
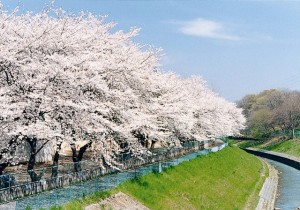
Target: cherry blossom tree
69 78
212 115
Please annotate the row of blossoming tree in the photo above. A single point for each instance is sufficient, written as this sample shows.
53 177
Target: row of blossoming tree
69 78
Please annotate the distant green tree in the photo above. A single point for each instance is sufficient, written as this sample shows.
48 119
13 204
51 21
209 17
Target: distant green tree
287 116
259 123
271 110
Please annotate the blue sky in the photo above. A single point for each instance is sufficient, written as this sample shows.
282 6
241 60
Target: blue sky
238 47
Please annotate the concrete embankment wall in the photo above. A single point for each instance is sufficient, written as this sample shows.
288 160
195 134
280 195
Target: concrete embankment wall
280 157
31 188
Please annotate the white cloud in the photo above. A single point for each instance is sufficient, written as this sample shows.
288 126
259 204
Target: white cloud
206 28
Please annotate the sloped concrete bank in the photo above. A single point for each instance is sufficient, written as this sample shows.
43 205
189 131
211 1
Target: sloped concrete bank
64 194
32 188
116 202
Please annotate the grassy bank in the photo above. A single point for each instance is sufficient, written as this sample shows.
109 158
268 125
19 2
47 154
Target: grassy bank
283 145
229 179
291 147
247 143
223 180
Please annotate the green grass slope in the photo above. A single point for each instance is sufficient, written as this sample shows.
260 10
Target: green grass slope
247 143
229 179
291 147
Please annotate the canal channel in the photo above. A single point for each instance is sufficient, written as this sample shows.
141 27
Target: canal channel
288 186
60 196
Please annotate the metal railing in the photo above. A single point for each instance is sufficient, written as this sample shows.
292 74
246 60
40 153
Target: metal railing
18 185
100 183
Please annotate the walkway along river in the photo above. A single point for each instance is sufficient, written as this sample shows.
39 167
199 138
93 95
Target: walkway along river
289 177
289 186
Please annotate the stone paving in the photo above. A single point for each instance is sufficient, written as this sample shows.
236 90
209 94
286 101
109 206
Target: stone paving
119 201
267 195
8 206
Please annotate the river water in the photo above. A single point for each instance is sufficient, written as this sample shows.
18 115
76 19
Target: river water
289 186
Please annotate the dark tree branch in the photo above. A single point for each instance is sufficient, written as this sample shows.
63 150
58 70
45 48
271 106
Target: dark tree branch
42 146
32 159
78 157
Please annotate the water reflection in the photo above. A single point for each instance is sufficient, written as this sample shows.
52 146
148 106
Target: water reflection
289 186
59 196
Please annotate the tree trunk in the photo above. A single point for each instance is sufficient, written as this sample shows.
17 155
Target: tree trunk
2 167
293 132
78 157
55 161
32 159
11 149
31 163
104 162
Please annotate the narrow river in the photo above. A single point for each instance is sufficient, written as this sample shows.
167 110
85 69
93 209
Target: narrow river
289 186
62 195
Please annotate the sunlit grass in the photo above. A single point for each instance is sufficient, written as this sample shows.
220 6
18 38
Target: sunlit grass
228 179
223 180
291 147
247 143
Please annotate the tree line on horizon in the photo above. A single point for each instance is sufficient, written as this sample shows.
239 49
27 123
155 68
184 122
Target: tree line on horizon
69 78
270 112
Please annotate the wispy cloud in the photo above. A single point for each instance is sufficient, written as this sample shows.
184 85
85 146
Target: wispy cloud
206 28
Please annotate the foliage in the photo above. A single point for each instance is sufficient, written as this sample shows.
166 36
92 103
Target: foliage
260 123
247 143
270 111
